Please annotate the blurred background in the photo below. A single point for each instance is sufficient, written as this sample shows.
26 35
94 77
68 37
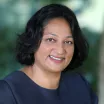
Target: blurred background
14 15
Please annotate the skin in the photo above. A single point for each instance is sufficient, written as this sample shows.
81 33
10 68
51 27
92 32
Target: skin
54 54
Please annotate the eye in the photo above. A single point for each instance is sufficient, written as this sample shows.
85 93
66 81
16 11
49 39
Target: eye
50 40
68 42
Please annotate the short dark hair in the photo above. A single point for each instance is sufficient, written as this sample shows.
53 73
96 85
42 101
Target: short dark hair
29 41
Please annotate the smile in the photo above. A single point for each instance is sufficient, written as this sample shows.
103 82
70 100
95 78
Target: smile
55 58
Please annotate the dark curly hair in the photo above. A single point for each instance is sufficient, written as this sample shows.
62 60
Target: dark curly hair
29 41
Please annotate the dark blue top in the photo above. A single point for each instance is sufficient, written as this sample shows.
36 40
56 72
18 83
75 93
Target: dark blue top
18 88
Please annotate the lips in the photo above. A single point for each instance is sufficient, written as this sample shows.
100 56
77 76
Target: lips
56 58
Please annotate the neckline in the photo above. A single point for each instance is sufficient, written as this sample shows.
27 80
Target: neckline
36 83
47 93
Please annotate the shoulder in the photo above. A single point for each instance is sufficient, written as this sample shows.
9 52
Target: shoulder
6 96
4 88
8 87
11 87
73 78
79 86
75 82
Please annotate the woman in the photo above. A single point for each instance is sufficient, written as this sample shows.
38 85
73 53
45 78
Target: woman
51 45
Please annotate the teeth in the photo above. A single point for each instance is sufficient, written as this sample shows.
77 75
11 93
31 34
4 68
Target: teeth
56 58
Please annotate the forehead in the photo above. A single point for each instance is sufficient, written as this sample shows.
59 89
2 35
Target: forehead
58 26
57 20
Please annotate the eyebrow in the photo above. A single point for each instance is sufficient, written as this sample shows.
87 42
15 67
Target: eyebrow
69 36
52 34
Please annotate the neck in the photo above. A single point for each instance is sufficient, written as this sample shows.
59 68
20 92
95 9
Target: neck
43 78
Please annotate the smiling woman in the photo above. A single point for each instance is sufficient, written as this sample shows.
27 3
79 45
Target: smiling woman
51 44
56 49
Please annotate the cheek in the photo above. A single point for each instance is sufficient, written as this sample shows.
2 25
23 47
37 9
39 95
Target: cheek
44 50
70 52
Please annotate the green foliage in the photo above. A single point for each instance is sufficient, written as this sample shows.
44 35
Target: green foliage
52 1
90 68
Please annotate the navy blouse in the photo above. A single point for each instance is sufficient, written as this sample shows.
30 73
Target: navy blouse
18 88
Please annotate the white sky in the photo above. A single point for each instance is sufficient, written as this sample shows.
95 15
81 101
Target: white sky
93 17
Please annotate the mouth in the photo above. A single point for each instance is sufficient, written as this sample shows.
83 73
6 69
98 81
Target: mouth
56 59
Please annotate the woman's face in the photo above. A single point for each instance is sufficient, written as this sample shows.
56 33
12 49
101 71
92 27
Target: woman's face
57 46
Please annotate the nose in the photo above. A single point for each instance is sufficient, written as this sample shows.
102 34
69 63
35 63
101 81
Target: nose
60 49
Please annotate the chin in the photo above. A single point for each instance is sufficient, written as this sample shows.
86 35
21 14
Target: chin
56 70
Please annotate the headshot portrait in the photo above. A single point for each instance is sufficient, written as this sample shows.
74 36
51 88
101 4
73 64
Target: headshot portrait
50 48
